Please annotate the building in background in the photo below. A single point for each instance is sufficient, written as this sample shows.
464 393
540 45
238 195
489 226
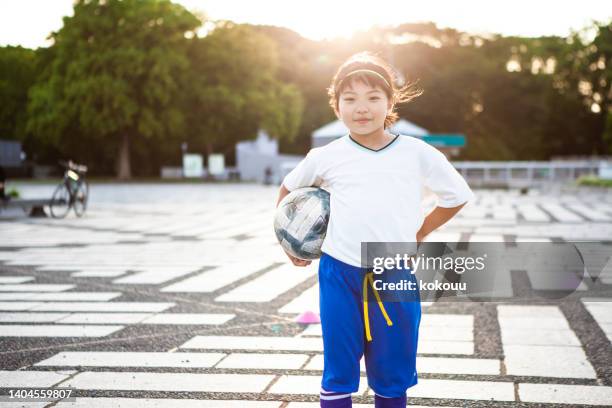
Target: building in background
259 160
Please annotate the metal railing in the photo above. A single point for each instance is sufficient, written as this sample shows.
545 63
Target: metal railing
525 173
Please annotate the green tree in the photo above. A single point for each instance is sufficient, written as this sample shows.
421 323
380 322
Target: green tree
17 74
234 90
115 78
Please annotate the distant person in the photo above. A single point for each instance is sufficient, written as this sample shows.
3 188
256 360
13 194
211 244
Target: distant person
268 176
2 184
375 180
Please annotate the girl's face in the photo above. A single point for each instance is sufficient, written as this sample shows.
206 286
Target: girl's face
363 109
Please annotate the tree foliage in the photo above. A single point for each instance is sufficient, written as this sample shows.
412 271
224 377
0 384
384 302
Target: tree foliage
234 89
127 81
17 74
115 77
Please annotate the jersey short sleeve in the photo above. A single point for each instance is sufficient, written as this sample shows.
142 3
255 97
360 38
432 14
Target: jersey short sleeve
444 180
306 173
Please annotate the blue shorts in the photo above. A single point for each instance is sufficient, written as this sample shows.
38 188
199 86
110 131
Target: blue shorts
390 355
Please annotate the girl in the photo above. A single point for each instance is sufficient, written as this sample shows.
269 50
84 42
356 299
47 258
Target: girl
375 180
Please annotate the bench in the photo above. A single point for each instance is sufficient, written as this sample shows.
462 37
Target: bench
34 207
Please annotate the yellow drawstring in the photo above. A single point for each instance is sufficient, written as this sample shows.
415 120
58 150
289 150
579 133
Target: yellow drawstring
366 279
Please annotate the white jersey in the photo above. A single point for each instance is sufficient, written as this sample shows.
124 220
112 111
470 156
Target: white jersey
376 195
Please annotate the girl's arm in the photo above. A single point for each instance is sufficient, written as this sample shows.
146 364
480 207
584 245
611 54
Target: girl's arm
296 261
282 194
439 216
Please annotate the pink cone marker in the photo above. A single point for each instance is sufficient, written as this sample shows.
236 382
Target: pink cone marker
308 317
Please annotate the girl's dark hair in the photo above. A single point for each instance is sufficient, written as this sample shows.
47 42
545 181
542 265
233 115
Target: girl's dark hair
397 93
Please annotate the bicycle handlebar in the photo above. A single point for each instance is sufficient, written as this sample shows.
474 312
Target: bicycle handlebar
79 168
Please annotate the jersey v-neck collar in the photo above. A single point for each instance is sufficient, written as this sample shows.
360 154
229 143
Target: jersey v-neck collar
374 150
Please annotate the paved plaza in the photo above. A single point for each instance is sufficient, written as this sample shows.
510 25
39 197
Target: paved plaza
178 295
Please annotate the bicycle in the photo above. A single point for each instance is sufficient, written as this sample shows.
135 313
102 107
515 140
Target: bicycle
72 192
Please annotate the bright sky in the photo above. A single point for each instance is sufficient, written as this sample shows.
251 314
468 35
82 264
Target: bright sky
29 22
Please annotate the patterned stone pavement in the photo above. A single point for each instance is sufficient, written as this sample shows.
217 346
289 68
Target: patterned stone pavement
169 295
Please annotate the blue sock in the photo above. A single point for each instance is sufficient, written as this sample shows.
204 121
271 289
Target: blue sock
330 399
383 402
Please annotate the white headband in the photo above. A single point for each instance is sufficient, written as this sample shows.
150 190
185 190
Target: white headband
369 71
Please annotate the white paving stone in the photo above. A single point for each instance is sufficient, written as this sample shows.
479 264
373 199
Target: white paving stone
61 296
465 390
532 239
214 279
18 306
23 378
186 382
530 311
431 343
101 306
561 213
131 359
590 213
16 330
305 384
189 318
602 313
533 213
307 300
541 344
25 317
15 279
428 333
269 285
538 337
23 404
267 361
438 236
163 403
35 287
548 361
313 330
536 323
447 320
98 274
317 405
436 365
444 365
316 363
486 238
104 318
155 276
254 343
565 394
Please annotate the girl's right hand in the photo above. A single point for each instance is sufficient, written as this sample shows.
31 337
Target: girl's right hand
298 261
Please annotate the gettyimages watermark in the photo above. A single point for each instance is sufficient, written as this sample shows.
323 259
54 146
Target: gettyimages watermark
487 271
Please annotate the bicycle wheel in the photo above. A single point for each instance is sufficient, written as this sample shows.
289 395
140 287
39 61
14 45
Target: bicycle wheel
60 201
81 197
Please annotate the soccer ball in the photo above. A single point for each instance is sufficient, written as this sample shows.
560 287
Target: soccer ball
301 221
